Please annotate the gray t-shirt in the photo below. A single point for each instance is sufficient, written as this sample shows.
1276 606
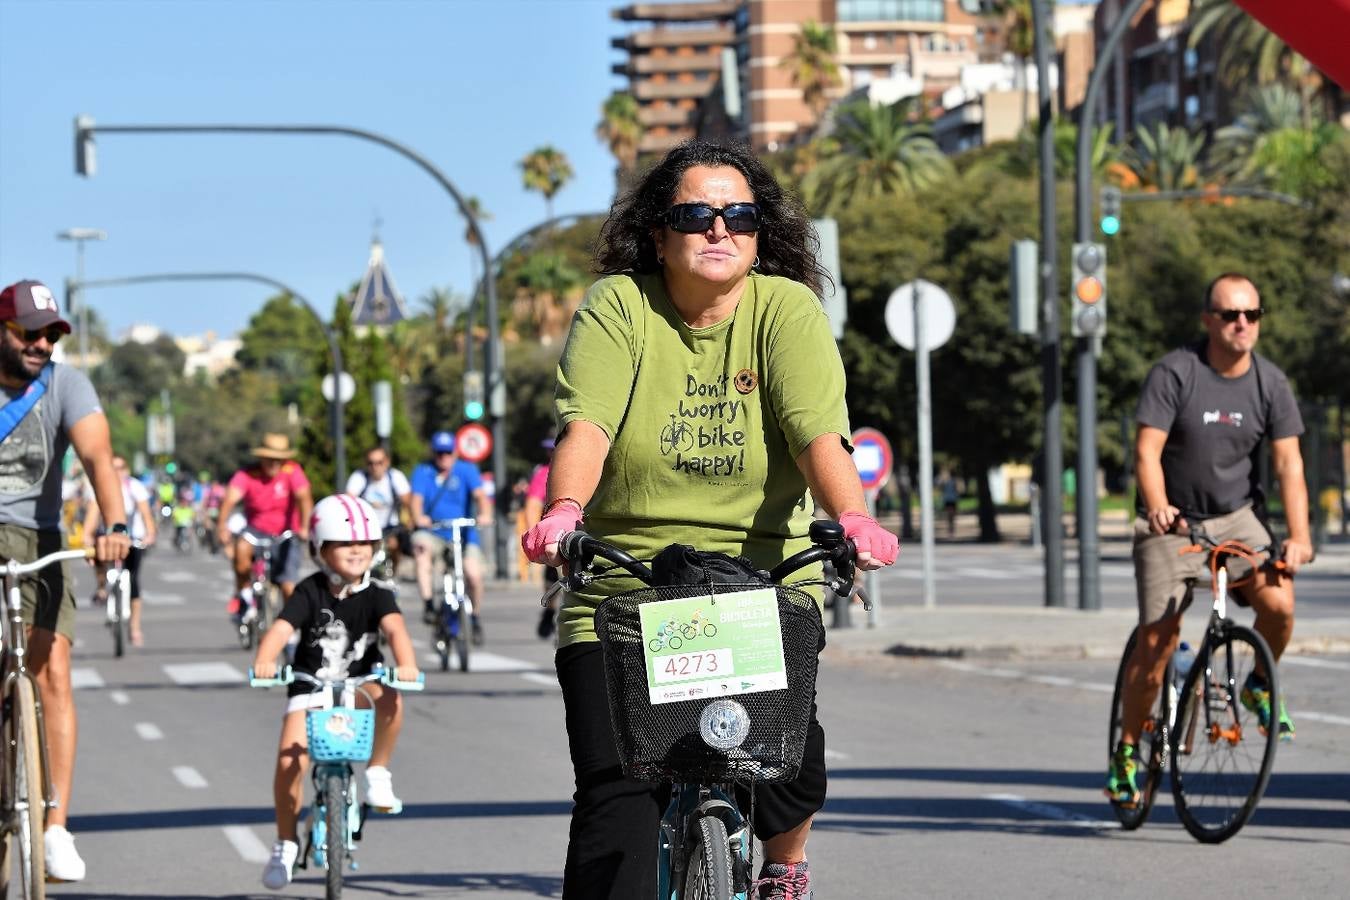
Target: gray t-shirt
31 456
1214 427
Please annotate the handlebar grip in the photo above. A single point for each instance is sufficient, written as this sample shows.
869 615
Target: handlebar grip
569 547
418 685
285 678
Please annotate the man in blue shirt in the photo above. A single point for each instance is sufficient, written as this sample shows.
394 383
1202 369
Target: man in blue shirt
446 488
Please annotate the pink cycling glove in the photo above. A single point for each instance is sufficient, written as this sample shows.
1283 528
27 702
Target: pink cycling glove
561 519
869 537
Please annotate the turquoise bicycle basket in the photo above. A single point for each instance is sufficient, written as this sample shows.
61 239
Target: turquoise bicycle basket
340 734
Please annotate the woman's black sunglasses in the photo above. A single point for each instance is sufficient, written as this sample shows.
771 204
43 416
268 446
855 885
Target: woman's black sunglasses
692 218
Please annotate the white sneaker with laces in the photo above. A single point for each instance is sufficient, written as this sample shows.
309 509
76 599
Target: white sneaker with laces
279 869
380 790
63 860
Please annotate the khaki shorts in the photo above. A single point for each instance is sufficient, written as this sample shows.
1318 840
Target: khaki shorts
1161 571
48 596
437 545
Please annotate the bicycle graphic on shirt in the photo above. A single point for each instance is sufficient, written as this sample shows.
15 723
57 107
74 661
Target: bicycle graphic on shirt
678 435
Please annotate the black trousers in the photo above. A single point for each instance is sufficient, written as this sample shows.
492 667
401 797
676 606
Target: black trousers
611 848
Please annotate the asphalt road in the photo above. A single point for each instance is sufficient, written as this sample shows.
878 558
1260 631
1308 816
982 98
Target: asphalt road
949 778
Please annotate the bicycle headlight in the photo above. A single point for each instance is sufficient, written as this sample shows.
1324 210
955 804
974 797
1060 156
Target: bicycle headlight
724 724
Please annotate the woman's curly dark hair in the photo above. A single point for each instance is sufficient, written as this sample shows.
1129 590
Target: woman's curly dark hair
788 245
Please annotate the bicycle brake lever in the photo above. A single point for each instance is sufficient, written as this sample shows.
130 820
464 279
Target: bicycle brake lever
862 595
545 600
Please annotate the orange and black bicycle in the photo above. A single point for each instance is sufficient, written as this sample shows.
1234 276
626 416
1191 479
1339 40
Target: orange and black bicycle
1219 753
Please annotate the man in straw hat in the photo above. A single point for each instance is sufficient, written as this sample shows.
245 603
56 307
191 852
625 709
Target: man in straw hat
276 498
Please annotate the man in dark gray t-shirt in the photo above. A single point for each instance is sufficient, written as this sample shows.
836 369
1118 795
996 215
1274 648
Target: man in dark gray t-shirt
1203 414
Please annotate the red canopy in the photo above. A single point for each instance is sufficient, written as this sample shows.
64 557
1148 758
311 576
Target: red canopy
1318 29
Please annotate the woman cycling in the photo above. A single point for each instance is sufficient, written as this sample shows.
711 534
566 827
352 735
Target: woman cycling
701 396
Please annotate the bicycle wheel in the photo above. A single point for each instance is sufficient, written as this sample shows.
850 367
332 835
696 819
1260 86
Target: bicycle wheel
708 876
462 640
115 624
1220 760
28 857
1152 744
335 831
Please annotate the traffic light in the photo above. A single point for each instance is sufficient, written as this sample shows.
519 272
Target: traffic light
1089 290
171 468
1110 220
84 146
473 396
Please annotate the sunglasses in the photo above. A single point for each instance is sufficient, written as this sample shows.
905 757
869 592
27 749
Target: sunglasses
1231 315
692 218
52 333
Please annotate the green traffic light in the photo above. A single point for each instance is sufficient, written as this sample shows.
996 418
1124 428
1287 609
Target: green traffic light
1110 225
473 411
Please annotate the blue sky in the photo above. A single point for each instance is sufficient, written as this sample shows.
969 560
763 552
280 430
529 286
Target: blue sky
473 85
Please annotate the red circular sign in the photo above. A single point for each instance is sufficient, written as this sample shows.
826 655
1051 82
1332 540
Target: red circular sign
473 442
872 455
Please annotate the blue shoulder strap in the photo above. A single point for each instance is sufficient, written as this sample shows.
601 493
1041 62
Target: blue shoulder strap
12 413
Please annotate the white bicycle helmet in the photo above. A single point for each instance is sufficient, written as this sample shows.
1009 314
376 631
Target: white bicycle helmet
342 517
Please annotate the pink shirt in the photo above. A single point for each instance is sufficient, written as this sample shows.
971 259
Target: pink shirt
538 489
269 504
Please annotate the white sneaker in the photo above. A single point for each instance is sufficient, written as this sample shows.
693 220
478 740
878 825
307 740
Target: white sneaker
63 860
277 873
380 790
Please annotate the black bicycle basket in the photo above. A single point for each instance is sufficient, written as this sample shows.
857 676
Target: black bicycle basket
662 742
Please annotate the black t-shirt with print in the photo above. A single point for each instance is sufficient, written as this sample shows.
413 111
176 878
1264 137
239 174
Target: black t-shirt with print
338 638
1215 426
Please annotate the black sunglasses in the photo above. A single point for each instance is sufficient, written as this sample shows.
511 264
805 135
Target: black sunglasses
692 218
52 333
1231 315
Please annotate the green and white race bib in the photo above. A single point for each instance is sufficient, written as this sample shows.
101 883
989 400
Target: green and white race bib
695 648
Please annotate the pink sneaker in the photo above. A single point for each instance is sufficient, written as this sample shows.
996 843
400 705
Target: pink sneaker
783 881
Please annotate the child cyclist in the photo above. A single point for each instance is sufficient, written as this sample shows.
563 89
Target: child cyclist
336 613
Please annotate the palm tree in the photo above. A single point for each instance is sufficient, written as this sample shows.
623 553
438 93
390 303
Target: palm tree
1021 41
1268 110
546 170
813 67
621 128
440 305
882 151
482 215
1165 158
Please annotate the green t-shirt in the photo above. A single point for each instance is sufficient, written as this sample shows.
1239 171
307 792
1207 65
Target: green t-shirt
705 424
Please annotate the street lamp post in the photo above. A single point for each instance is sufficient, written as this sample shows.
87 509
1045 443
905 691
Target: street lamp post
337 416
79 236
85 129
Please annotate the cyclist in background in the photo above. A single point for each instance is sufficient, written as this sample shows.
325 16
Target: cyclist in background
338 613
535 497
711 317
1203 413
275 497
448 488
387 491
141 527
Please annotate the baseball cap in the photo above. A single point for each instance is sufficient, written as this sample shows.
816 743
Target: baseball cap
31 305
443 442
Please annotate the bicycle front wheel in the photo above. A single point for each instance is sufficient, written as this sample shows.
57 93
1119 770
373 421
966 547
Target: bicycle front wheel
462 640
1221 761
1152 746
335 831
708 876
115 623
26 801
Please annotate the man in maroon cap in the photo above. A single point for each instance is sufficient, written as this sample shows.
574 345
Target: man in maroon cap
44 409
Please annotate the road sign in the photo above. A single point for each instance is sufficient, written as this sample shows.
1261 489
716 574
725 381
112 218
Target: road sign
347 384
473 442
938 313
873 457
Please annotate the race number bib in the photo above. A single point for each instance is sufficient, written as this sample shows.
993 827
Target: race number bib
695 648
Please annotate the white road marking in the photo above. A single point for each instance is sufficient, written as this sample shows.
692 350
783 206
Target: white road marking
1315 663
121 698
835 754
1014 674
483 661
177 577
541 678
1052 680
247 844
975 572
189 777
149 731
1046 811
85 679
203 673
1320 717
157 599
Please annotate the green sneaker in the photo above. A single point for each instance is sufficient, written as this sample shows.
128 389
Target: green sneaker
1256 697
1120 786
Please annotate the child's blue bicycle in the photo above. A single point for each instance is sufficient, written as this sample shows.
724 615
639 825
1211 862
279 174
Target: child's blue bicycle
338 737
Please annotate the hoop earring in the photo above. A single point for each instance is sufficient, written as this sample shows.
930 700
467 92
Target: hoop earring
755 264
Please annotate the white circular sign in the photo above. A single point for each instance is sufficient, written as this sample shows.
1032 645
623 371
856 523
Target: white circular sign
939 315
347 385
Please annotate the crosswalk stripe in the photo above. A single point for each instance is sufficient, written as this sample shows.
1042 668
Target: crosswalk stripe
203 673
247 844
189 777
149 731
85 679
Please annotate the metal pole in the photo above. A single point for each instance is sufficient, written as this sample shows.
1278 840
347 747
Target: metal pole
925 448
493 361
337 420
82 312
1053 447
